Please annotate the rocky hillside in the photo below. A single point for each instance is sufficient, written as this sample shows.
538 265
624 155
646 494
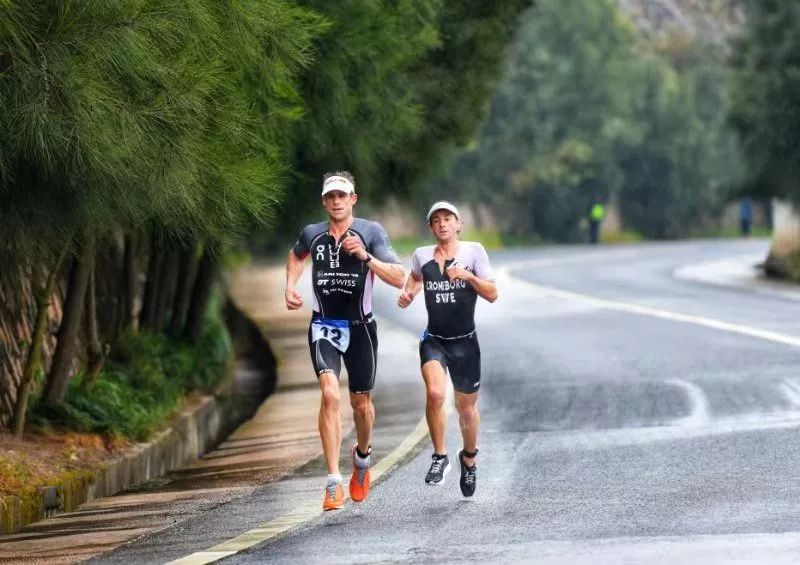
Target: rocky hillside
713 20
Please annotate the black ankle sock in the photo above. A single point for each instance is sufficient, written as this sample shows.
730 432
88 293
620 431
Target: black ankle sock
362 455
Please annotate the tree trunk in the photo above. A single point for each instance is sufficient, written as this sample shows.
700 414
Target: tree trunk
94 347
167 287
58 379
43 296
127 286
477 217
108 293
151 290
186 277
204 284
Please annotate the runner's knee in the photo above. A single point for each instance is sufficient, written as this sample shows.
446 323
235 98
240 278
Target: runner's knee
467 411
330 395
469 417
362 407
362 411
436 397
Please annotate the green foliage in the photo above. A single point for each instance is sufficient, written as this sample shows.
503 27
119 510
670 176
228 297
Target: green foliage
681 168
142 385
765 109
591 111
116 114
194 117
543 156
625 236
359 103
453 85
395 87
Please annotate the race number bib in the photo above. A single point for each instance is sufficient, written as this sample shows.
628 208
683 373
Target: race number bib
335 331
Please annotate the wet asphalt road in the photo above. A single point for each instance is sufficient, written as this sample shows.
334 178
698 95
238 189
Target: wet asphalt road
608 435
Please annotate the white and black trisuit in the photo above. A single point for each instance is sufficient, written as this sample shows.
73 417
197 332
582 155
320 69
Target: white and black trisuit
342 324
450 337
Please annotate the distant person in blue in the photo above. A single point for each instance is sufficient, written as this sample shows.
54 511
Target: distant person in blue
746 215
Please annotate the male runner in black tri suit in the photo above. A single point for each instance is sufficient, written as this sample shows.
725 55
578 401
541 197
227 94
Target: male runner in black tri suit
453 274
346 255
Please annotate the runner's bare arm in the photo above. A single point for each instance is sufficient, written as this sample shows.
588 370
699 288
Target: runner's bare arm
412 288
294 268
486 289
390 273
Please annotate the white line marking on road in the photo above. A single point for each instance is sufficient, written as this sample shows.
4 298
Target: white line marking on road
698 415
312 508
632 308
698 423
621 437
791 389
737 548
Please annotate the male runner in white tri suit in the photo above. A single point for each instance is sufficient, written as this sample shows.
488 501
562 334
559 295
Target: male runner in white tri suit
346 255
453 275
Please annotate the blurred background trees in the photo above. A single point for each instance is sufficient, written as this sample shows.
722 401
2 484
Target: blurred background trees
767 118
765 98
592 109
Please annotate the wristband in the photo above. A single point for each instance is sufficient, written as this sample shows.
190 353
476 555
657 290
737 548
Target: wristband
368 259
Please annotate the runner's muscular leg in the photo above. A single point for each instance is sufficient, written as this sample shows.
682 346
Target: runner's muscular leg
436 392
364 418
468 420
330 427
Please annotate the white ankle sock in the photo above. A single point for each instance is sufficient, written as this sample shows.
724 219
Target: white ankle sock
334 478
361 462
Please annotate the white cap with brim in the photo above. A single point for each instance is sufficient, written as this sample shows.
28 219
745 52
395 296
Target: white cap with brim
443 205
337 183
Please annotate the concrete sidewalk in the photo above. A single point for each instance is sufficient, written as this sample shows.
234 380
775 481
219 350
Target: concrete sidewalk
742 272
281 437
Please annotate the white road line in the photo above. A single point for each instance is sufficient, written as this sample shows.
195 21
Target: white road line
736 548
699 422
791 389
590 440
631 308
698 415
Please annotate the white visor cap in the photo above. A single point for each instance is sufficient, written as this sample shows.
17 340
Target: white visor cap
443 205
337 183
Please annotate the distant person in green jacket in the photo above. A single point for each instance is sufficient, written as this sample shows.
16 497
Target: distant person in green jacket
596 215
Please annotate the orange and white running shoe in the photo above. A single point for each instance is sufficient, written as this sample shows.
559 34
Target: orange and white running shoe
359 482
334 497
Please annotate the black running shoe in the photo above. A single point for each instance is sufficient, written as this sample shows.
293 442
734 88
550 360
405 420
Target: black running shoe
440 466
469 476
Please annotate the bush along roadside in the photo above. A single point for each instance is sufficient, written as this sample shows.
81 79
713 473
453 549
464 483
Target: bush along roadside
144 381
149 389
